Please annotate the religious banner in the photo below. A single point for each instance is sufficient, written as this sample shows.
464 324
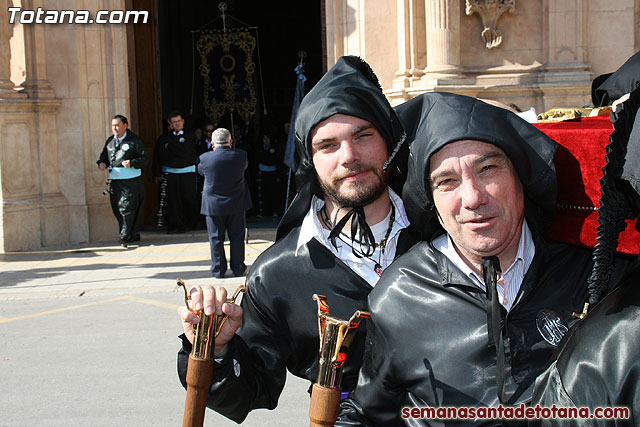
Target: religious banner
228 69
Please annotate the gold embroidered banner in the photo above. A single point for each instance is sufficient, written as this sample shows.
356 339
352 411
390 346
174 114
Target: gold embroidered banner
228 69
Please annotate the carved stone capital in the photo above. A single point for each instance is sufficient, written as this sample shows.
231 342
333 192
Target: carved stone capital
490 11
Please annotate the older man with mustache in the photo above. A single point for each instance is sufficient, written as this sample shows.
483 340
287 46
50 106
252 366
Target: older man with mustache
469 317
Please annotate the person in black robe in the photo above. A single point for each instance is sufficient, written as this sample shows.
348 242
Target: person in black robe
279 329
597 364
438 335
607 88
175 156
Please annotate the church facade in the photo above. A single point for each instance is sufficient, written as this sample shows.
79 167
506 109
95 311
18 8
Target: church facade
61 83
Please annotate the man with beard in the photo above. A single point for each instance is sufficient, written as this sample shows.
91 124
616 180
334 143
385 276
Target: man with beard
343 228
471 315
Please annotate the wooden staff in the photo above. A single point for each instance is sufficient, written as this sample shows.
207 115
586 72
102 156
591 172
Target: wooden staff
336 335
200 368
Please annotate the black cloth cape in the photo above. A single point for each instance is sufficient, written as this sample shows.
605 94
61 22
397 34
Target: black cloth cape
280 325
631 169
427 343
623 81
598 362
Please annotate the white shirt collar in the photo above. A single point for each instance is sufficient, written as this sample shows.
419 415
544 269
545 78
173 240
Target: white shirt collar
124 135
178 133
512 276
312 227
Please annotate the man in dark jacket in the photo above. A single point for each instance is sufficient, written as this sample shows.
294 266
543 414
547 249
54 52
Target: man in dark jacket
124 155
224 201
481 187
174 159
345 131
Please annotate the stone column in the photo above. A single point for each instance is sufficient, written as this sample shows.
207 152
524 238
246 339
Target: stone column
567 77
443 36
411 42
335 30
36 84
412 51
7 88
404 46
33 211
345 27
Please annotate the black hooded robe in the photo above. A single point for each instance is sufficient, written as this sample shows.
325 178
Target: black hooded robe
280 323
182 197
598 364
612 86
427 343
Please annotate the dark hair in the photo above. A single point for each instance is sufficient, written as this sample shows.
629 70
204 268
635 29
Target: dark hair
122 118
175 113
515 107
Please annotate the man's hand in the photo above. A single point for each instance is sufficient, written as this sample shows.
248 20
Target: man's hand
213 301
156 179
126 163
102 166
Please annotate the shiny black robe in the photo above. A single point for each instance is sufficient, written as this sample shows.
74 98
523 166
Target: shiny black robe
598 364
280 325
623 81
428 342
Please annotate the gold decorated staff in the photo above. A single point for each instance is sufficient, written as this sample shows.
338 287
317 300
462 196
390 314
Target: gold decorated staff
200 368
336 335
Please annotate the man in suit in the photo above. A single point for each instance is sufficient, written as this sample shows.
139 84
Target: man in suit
224 201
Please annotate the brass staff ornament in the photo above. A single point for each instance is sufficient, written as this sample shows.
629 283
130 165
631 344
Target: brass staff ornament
200 368
336 335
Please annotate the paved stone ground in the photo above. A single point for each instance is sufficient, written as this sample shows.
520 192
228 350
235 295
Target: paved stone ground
88 334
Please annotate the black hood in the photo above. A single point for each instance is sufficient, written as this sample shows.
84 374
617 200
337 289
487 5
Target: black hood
609 87
350 87
434 119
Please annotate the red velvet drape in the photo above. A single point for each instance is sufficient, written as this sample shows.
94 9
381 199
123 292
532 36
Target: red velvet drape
579 163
